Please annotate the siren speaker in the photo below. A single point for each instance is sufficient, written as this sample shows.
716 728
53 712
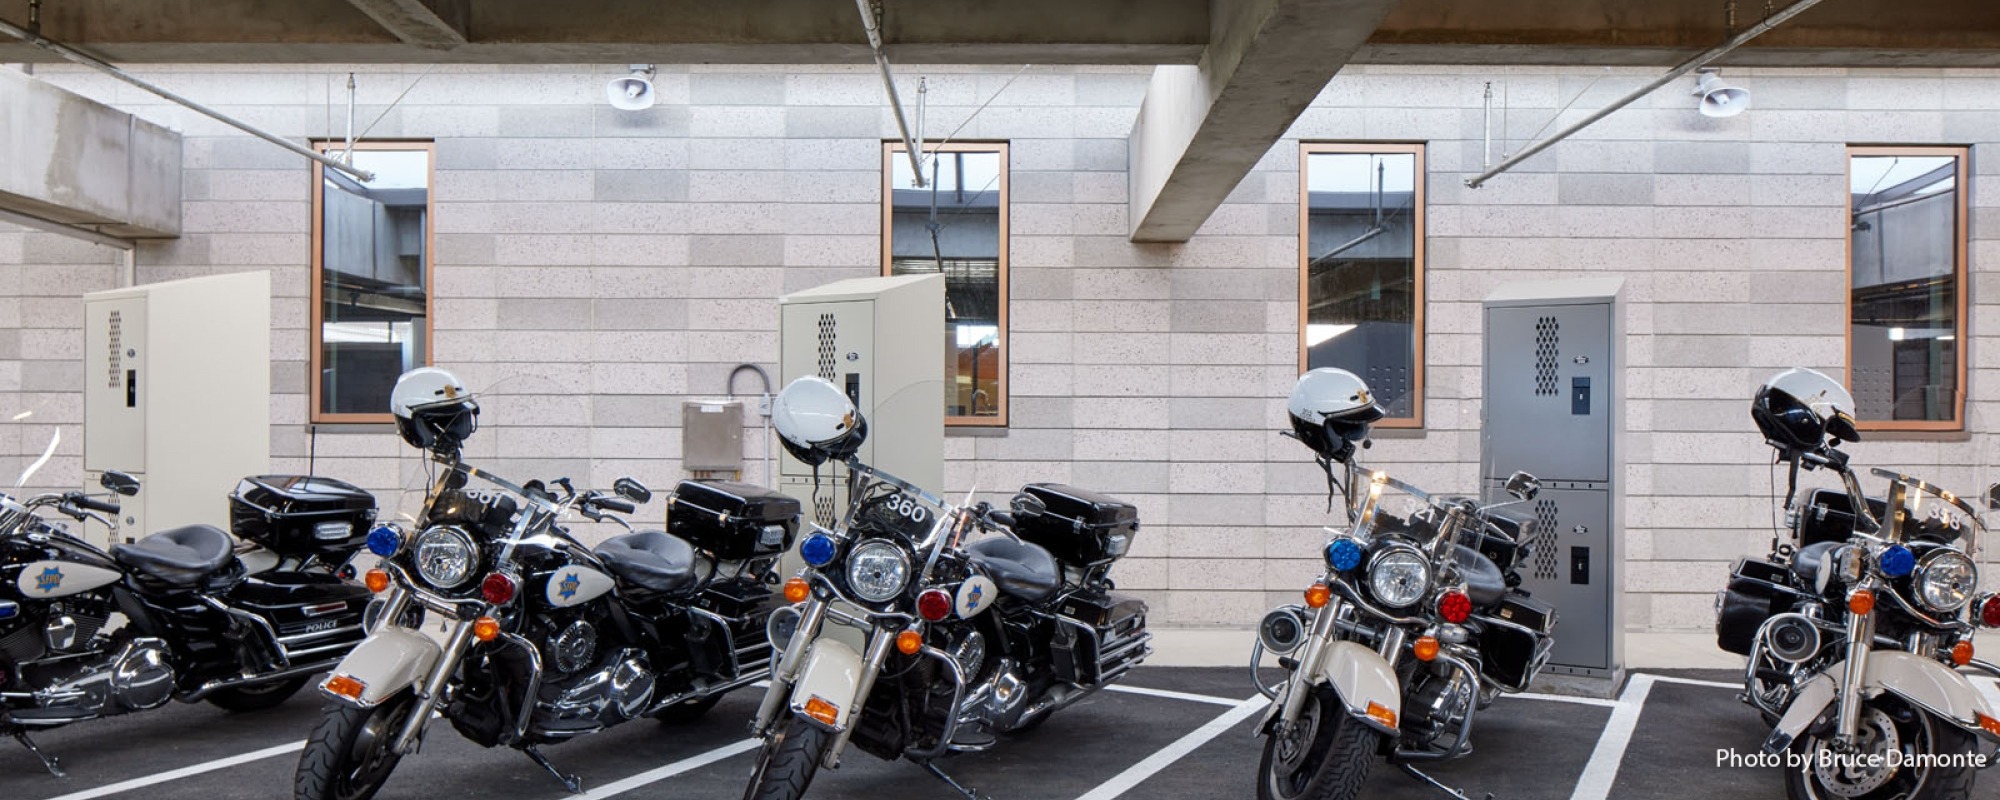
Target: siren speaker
1719 99
633 92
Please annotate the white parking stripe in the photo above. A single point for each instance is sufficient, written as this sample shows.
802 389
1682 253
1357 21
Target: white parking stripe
1602 770
177 774
1172 695
1137 773
1695 682
1990 688
1562 698
656 775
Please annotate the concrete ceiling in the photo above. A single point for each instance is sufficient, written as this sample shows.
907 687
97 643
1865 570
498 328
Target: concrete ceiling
1147 32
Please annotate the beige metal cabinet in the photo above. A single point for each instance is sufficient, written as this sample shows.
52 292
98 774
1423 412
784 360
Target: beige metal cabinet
177 391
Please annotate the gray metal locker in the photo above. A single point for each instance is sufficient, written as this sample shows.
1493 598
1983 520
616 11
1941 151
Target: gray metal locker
1553 405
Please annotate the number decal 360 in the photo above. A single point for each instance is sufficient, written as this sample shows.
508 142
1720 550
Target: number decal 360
907 507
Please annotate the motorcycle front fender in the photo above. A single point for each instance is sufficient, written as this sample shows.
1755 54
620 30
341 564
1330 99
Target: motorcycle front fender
831 676
1920 681
1365 682
388 661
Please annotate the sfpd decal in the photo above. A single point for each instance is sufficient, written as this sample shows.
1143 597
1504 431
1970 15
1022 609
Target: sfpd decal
572 586
49 581
975 594
62 578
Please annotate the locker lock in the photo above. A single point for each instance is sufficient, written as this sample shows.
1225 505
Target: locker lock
1580 530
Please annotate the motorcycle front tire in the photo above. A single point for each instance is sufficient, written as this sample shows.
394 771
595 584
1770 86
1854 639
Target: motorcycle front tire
256 698
786 765
1933 735
349 756
1336 760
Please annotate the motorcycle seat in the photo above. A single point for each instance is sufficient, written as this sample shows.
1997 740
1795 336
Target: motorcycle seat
1805 563
1483 581
1022 569
655 561
178 556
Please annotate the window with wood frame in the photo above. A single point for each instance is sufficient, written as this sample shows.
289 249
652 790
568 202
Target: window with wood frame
371 278
1906 312
956 224
1361 269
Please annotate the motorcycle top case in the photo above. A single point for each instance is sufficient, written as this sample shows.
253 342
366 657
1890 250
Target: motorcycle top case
1079 526
1513 539
1828 516
298 515
733 521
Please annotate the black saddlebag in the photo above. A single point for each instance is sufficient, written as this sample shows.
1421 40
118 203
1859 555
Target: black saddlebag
1098 636
733 521
1758 590
301 515
315 615
1516 639
726 634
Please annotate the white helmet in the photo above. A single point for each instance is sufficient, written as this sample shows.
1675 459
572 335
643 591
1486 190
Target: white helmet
433 409
1330 410
817 422
1799 409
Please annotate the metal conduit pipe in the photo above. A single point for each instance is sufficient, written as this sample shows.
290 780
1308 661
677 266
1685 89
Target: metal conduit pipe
1685 67
889 84
93 62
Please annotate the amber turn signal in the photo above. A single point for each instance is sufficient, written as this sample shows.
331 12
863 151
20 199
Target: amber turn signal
1318 594
1383 714
1988 724
1961 653
797 590
377 580
1862 602
909 642
485 629
1426 648
822 710
346 686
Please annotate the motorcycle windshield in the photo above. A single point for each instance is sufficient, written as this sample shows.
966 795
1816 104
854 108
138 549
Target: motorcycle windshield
1386 506
883 504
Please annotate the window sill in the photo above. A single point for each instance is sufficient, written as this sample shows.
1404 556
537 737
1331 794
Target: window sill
337 428
976 431
1913 435
1379 432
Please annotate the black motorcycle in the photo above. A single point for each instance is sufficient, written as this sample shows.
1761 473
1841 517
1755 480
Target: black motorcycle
548 639
241 625
966 639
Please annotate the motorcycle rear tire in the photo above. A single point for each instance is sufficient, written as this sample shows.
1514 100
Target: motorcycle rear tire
1341 752
256 698
1937 783
786 765
330 768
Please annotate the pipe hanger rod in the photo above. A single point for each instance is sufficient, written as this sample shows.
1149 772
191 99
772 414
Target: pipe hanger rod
93 62
889 84
1685 67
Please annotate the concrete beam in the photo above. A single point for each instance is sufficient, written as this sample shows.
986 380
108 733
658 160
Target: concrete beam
1202 128
74 162
431 24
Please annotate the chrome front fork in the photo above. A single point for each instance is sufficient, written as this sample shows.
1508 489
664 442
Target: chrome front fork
1860 637
789 664
427 700
1293 700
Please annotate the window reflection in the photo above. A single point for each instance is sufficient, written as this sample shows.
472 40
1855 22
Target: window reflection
1362 281
373 273
1904 280
956 224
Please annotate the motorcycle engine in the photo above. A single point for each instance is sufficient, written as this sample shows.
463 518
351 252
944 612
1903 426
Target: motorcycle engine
620 689
134 677
1436 709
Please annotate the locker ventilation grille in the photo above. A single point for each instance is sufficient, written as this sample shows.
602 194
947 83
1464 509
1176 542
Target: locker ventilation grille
823 510
1545 544
117 360
826 346
1545 356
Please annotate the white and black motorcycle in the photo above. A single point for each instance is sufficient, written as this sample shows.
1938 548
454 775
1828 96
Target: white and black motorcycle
1416 625
546 639
1858 628
963 640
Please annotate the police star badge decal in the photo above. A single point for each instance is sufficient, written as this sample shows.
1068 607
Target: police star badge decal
50 580
567 588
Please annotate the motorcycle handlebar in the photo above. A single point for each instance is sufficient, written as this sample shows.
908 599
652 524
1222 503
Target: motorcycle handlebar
609 504
88 504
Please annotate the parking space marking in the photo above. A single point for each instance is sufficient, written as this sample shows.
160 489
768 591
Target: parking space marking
1138 773
1563 698
653 776
183 772
1173 695
1695 682
1602 769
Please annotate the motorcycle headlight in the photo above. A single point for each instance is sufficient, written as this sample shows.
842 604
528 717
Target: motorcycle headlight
1945 581
1399 577
877 571
446 557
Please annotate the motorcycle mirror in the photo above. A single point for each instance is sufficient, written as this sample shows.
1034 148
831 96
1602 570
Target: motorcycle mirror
1993 497
632 490
1523 486
119 483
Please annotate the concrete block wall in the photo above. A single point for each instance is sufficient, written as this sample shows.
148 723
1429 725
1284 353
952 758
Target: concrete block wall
596 267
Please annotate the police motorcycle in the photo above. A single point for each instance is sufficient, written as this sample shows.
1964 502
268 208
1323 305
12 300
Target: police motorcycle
1417 624
1858 627
545 639
188 613
964 639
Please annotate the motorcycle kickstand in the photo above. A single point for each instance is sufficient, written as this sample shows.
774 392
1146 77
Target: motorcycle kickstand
53 764
970 794
571 782
1433 782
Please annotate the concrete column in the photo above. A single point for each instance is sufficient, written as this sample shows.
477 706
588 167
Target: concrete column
1203 127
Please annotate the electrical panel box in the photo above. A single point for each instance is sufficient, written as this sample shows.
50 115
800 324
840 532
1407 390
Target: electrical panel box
712 438
177 392
1554 406
881 340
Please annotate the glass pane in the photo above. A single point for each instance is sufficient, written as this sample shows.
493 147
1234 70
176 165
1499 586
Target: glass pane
1361 271
1904 234
374 270
953 226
